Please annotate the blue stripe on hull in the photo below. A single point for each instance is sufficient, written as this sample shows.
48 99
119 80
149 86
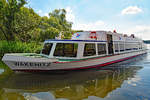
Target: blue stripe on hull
77 40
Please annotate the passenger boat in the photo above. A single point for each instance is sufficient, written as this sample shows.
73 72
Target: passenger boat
88 49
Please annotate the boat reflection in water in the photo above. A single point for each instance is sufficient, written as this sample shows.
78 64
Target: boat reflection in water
67 86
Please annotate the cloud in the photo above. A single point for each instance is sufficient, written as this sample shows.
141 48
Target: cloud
32 98
93 98
141 31
88 26
41 13
69 15
131 10
46 14
133 81
82 25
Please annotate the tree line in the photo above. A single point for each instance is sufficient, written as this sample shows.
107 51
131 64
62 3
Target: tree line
21 23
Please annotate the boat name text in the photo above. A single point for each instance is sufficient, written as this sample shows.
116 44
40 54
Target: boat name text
39 64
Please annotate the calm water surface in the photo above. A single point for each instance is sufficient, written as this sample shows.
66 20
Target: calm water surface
128 80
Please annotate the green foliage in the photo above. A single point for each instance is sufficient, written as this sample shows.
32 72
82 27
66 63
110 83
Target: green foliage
27 22
49 33
8 11
19 47
19 23
56 23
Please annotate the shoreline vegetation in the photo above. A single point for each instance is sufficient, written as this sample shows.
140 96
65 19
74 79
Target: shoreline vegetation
19 47
22 30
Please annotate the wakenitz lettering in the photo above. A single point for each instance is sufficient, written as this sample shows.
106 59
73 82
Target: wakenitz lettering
39 64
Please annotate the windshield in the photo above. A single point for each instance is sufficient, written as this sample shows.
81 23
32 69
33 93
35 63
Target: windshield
47 48
66 49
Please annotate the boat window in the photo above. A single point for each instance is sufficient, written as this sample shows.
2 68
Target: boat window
47 48
140 46
101 48
66 49
133 45
127 46
121 47
116 47
89 49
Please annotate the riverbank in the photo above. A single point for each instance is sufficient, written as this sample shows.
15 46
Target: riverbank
19 47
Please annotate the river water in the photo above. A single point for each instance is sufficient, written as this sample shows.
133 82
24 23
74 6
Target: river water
127 80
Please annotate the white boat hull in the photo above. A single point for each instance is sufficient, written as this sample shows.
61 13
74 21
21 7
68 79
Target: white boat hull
21 63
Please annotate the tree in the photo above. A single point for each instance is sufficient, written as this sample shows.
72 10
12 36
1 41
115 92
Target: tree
62 24
60 15
26 24
56 23
8 11
49 33
22 23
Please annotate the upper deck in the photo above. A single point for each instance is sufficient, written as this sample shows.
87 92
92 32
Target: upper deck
98 36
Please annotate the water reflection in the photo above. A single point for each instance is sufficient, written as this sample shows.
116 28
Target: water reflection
67 86
72 86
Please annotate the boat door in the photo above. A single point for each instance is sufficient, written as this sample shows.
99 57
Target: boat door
110 44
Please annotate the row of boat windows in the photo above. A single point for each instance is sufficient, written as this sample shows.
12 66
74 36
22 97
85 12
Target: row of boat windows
70 49
127 47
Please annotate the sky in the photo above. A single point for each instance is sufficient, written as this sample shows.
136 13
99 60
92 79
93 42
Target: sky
124 16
